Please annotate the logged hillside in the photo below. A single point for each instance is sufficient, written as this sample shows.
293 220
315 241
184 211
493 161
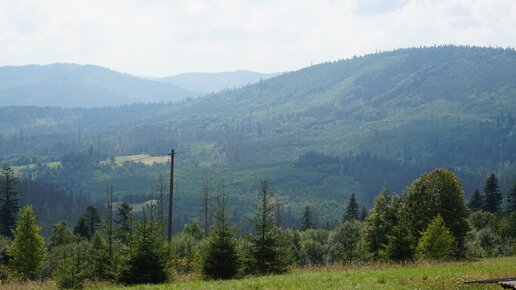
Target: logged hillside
70 85
317 134
408 104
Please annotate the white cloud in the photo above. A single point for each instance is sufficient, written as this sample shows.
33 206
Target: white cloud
165 37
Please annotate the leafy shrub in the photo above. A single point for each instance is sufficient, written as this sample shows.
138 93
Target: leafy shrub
344 242
313 252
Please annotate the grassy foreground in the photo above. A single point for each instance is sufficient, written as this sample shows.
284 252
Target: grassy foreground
447 275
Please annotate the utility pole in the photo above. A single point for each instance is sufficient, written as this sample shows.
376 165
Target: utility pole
171 195
205 205
161 200
110 220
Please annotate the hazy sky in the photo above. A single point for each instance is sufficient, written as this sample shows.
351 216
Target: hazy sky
157 38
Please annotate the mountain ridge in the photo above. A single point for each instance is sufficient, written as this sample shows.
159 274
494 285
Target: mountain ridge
73 85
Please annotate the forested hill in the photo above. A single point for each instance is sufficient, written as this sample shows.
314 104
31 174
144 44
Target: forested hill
71 85
412 104
317 134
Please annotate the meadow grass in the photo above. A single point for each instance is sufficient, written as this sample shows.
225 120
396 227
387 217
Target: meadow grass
433 275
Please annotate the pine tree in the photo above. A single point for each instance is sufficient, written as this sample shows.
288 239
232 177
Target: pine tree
511 199
220 259
363 214
477 201
379 223
93 220
268 252
124 222
352 210
28 248
436 242
9 202
99 261
307 220
493 195
81 228
61 235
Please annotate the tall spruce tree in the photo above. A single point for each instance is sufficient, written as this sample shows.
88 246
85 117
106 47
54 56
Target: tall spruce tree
400 241
267 250
493 195
307 219
124 222
93 219
511 199
28 248
477 201
8 202
352 210
220 260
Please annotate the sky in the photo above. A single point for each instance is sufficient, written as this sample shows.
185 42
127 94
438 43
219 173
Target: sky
160 38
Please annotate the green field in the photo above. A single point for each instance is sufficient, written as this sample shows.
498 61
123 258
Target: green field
447 275
450 275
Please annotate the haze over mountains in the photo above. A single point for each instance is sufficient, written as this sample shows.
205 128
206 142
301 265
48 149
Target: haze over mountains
71 85
416 109
206 83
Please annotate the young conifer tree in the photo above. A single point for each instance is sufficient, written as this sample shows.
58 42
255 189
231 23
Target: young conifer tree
267 250
436 242
28 248
220 259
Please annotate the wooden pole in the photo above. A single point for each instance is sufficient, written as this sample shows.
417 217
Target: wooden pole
171 195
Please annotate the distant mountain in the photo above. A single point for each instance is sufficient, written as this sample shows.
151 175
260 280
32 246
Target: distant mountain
71 85
206 83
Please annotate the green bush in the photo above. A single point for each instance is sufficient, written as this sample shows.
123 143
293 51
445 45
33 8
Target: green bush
344 242
313 251
186 249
